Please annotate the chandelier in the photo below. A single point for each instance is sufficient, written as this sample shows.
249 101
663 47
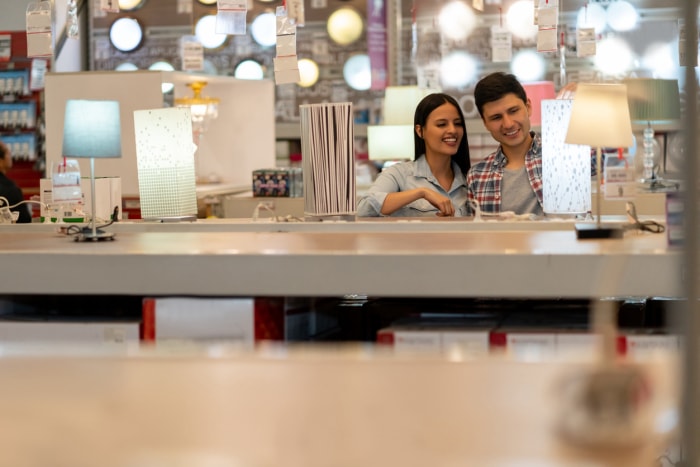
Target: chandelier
203 109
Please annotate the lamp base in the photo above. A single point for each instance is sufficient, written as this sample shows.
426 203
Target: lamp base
594 231
87 235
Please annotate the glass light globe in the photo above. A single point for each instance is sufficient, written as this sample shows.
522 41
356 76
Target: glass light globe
456 20
249 69
205 31
345 26
264 29
528 66
520 19
457 70
614 56
592 16
622 16
357 72
662 60
308 72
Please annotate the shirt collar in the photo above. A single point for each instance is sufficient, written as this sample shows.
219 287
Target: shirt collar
535 148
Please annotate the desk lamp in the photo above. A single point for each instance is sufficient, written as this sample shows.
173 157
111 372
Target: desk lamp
600 118
652 100
91 129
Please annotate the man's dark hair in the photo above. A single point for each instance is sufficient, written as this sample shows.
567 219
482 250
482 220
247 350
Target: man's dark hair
495 86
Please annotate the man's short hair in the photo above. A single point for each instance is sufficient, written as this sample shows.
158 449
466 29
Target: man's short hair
496 85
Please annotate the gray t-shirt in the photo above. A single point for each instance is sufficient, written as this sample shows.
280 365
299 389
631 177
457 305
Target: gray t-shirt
517 195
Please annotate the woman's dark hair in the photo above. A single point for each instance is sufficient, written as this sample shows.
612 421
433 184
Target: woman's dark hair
424 108
495 86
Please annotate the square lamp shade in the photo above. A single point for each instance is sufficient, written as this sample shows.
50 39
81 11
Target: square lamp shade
394 139
600 118
165 162
92 129
390 142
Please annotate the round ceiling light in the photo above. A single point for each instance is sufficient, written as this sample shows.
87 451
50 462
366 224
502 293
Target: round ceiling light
357 72
622 16
308 72
345 26
457 70
264 29
126 34
205 32
613 56
129 5
592 16
456 20
163 66
126 66
520 19
207 2
248 69
528 66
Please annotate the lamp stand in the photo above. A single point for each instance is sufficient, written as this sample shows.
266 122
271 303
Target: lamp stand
92 233
597 231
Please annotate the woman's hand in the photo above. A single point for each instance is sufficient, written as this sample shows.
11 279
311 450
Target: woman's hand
442 203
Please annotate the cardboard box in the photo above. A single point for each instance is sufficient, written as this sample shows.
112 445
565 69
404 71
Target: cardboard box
108 195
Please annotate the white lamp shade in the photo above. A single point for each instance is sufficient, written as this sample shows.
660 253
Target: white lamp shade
165 162
400 104
92 128
600 117
390 142
566 168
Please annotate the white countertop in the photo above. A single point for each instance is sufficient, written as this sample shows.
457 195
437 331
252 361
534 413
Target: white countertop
453 263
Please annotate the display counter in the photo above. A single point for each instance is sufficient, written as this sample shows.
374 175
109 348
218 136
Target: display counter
403 262
311 408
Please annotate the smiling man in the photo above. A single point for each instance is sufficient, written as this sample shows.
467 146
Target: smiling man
509 179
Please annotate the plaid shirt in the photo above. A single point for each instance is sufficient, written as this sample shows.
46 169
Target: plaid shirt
484 178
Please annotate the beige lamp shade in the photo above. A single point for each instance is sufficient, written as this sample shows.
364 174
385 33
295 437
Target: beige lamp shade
600 117
390 142
653 99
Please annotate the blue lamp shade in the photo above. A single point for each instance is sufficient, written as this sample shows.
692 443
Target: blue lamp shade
92 129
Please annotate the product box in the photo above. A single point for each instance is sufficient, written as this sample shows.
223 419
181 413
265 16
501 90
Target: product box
228 320
108 195
280 182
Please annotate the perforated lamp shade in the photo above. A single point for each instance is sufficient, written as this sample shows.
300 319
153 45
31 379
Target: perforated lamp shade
92 129
600 117
653 100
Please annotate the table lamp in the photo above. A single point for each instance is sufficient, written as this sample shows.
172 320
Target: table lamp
566 168
652 100
600 118
91 129
393 140
165 162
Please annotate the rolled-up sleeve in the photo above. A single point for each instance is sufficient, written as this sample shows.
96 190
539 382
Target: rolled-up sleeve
388 181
